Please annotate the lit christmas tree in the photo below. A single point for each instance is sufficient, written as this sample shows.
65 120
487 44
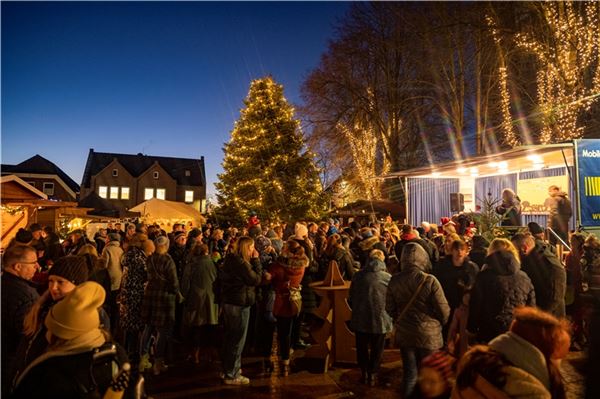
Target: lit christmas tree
266 166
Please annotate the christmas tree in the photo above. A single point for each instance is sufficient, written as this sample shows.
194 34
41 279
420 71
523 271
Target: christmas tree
266 166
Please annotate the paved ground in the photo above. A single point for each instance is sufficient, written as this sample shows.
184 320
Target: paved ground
186 380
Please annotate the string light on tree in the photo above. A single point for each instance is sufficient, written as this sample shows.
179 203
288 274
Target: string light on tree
266 166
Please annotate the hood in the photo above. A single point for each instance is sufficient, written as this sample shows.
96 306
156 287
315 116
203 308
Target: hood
113 244
375 265
503 263
523 355
368 243
413 255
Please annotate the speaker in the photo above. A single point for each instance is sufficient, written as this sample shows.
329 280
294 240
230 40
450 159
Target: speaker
457 202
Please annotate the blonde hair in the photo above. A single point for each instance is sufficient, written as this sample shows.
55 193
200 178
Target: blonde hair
377 254
243 247
137 241
502 244
148 247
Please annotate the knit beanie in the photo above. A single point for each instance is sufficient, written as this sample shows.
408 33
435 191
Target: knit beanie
24 236
534 228
300 230
77 313
71 268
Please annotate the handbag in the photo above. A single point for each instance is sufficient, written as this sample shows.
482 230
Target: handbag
408 305
295 298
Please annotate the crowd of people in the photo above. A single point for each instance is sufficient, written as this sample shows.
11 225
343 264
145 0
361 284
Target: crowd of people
432 291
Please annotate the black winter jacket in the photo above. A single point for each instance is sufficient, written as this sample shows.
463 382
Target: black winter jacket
549 278
18 296
499 288
238 280
455 280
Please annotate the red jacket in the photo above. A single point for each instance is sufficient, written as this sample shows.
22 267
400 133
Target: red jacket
284 276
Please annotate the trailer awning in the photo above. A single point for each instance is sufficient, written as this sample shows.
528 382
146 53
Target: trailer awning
524 158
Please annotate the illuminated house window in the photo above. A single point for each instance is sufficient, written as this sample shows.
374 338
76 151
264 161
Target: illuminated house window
187 172
148 193
114 193
189 196
125 193
48 188
160 193
103 191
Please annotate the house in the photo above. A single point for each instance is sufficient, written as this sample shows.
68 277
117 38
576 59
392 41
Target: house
127 179
46 177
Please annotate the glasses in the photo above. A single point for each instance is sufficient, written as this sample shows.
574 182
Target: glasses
30 263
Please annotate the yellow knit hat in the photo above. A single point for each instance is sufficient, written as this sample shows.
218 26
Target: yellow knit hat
77 313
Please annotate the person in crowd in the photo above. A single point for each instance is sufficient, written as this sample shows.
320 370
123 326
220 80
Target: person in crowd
335 250
456 273
521 363
113 253
38 239
100 239
415 301
130 231
428 230
510 208
320 238
546 272
201 311
591 265
573 299
54 250
76 240
176 227
70 368
19 264
241 273
287 273
491 315
559 214
158 305
97 270
409 235
217 246
479 250
131 295
369 242
309 298
370 321
178 251
23 237
67 273
276 237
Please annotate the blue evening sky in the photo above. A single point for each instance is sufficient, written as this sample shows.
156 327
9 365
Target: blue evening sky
154 77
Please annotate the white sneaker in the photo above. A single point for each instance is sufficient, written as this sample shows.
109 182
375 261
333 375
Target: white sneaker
239 380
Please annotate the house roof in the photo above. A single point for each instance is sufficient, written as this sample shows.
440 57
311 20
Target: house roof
40 165
137 164
12 178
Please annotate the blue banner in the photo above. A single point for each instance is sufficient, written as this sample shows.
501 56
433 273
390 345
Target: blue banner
588 170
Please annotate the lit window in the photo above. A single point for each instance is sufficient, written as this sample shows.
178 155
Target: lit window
189 196
156 175
148 193
48 188
187 172
125 193
160 193
115 172
103 191
114 193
